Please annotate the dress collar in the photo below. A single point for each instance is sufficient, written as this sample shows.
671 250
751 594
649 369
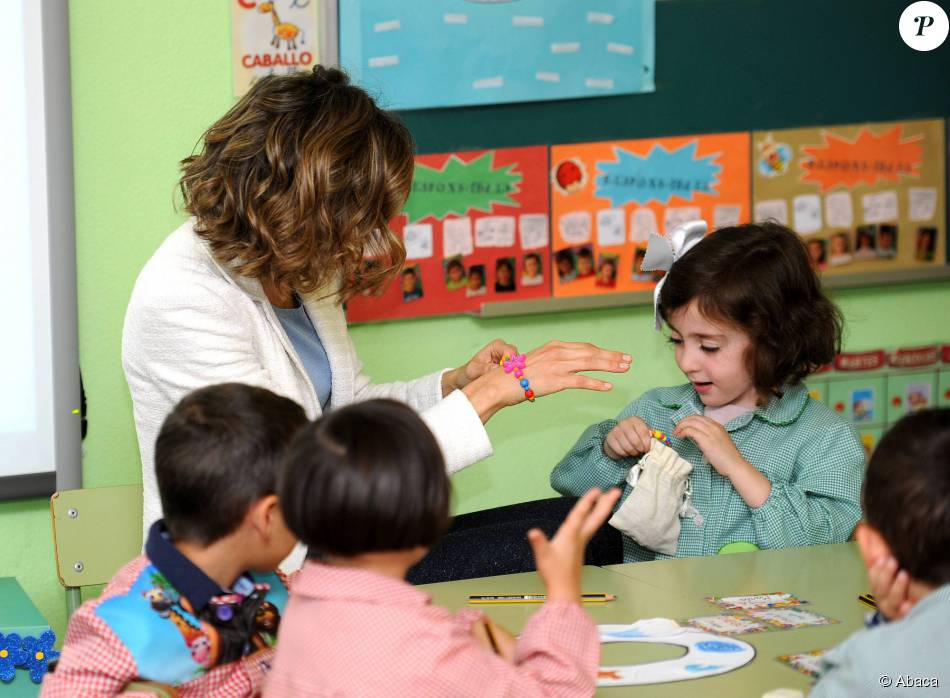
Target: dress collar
778 411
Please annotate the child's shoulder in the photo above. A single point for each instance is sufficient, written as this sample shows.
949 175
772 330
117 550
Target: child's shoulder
822 416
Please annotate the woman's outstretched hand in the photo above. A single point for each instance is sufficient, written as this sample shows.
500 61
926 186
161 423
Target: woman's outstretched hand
484 361
551 368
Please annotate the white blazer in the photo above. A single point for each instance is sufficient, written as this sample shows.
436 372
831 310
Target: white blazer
192 322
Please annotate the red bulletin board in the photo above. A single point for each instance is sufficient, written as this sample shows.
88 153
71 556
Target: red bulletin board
477 207
607 197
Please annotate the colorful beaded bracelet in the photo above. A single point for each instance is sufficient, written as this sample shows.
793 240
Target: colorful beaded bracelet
661 437
517 364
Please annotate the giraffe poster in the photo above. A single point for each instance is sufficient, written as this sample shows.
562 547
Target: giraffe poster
275 37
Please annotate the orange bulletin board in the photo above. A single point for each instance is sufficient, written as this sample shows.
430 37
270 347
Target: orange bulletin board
606 199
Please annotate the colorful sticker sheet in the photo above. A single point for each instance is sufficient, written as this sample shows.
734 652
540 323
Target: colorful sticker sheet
775 599
808 663
727 624
788 618
475 229
490 52
608 197
866 197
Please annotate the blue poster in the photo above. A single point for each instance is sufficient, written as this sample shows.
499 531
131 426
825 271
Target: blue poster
419 54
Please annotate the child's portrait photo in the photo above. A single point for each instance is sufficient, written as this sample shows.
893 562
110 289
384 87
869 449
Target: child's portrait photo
926 244
455 273
887 241
532 273
411 283
566 268
817 252
505 275
585 262
607 271
862 405
866 245
840 249
476 281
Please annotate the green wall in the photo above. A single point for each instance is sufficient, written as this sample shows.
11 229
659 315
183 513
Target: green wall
149 77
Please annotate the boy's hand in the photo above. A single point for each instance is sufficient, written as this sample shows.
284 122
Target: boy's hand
559 560
714 441
631 437
890 586
504 641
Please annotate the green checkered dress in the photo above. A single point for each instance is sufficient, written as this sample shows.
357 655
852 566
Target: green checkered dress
812 457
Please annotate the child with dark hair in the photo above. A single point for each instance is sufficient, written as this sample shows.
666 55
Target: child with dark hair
365 488
455 275
905 544
198 613
585 263
759 460
504 276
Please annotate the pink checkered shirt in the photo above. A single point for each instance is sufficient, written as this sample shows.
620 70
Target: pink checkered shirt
94 661
349 632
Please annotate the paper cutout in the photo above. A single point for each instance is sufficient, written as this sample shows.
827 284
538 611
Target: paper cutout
808 663
922 202
774 599
788 618
880 207
658 176
706 654
774 158
575 227
642 225
495 231
534 231
675 216
774 209
726 215
611 228
727 624
866 159
806 212
457 237
460 187
838 210
418 240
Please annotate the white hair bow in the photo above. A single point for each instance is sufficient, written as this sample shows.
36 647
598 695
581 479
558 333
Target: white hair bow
662 252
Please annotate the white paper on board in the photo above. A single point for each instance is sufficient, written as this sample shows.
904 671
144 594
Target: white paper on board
839 212
643 225
806 213
771 209
674 215
575 227
534 230
611 228
457 237
418 240
880 207
922 202
725 215
495 231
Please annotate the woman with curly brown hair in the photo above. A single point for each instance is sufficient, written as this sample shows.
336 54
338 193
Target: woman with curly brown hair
292 189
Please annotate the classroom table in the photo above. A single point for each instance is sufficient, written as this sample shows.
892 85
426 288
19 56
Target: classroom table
829 577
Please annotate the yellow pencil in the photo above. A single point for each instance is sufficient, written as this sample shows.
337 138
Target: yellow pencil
533 598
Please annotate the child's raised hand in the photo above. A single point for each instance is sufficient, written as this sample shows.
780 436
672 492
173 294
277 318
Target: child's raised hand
714 441
559 560
890 586
631 437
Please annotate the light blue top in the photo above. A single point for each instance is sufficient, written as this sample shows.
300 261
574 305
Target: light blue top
303 335
894 659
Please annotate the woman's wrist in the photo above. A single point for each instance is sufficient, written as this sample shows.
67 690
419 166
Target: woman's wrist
453 379
490 392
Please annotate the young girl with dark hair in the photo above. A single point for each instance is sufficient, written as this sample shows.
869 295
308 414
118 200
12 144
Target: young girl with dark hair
769 465
365 488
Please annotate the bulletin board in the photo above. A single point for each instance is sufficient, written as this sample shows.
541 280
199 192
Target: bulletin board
865 197
475 228
419 54
608 197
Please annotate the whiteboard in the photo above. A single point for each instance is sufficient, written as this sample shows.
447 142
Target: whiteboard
39 372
